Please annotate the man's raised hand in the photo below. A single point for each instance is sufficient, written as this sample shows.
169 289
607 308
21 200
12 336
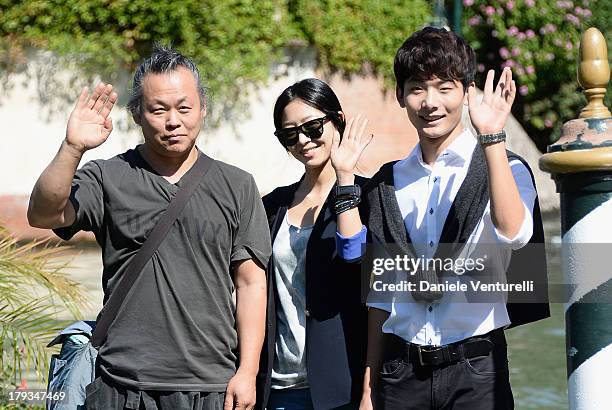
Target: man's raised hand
89 124
490 115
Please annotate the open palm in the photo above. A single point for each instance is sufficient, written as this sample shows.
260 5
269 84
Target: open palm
346 153
490 115
89 124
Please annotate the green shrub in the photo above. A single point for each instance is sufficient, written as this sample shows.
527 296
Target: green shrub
539 40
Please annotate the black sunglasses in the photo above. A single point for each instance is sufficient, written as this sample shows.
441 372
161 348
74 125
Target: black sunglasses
313 129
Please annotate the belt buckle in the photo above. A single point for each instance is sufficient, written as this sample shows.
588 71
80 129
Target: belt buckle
420 356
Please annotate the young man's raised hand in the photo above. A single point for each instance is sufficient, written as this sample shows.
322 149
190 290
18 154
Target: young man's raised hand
89 124
489 115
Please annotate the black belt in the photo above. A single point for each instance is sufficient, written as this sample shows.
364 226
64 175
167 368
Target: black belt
453 352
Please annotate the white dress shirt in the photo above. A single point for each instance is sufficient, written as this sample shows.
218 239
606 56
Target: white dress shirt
425 194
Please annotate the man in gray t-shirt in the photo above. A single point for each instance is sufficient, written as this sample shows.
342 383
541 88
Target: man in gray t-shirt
176 341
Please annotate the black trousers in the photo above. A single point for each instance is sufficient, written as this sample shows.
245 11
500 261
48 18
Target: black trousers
477 383
104 395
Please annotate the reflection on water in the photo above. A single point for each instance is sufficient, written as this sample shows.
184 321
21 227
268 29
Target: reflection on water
536 352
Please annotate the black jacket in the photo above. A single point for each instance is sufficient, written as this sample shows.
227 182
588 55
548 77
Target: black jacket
336 317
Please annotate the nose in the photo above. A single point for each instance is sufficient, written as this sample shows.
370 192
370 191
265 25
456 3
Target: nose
431 100
303 138
172 120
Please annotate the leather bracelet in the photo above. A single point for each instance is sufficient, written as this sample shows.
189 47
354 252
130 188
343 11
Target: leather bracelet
492 138
343 205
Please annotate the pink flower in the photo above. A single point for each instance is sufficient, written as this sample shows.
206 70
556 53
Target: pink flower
500 11
569 45
512 31
548 123
516 51
519 70
468 3
481 68
572 19
489 10
529 69
474 21
494 33
521 36
530 33
510 5
558 42
504 53
587 13
550 56
523 90
529 3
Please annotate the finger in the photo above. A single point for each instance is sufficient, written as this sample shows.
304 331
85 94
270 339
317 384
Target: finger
347 129
472 97
108 105
488 88
362 128
228 404
355 127
501 84
103 98
511 92
82 99
335 141
95 95
108 125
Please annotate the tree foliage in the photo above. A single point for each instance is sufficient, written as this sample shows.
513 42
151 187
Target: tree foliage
234 42
34 289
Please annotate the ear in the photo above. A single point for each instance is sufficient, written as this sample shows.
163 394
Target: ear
465 95
203 112
399 95
137 119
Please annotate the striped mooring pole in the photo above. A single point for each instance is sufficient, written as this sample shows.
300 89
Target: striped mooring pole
581 165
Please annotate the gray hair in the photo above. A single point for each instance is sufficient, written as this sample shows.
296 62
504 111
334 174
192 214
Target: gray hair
163 59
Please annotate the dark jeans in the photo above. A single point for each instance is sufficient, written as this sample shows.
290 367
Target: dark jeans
297 399
478 383
104 395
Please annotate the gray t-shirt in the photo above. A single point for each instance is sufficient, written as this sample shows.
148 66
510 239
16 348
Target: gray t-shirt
289 368
176 330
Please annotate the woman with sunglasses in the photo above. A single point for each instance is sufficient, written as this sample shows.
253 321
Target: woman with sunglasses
314 353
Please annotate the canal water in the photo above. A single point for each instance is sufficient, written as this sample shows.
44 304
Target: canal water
536 351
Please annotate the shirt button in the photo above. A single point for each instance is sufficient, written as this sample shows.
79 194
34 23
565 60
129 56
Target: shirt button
431 244
430 308
430 211
307 312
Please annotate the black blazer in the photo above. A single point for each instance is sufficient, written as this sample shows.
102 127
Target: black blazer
336 317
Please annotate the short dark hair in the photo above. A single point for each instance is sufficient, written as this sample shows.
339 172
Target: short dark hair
163 59
434 51
315 93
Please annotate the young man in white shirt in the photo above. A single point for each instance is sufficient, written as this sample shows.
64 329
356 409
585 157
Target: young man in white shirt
435 350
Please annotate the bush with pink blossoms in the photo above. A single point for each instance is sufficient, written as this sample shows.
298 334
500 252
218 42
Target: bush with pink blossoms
539 40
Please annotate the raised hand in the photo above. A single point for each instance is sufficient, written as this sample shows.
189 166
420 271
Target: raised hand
346 153
89 124
490 115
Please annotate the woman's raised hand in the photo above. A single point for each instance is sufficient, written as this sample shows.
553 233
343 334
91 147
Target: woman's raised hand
346 153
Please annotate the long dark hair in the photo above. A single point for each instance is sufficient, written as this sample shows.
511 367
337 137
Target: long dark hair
315 93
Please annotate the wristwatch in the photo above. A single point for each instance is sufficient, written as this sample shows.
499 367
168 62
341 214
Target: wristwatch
346 191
